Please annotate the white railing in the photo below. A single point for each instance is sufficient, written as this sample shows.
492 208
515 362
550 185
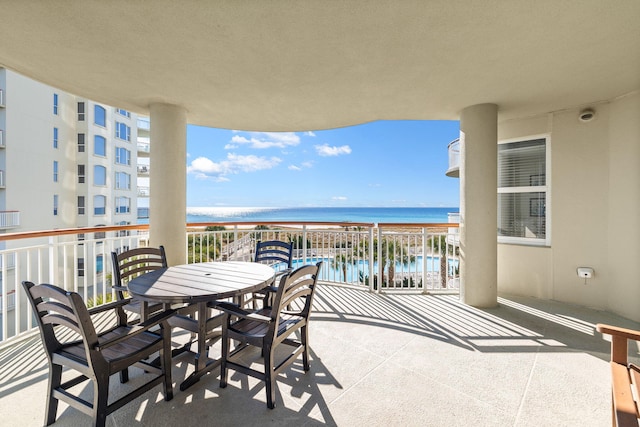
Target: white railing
2 139
9 219
1 98
143 191
143 169
410 253
454 158
2 179
80 259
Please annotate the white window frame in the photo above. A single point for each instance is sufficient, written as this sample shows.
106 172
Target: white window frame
126 205
530 241
127 154
95 175
127 181
95 205
120 127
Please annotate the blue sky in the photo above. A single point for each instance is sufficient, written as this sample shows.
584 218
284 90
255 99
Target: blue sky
381 164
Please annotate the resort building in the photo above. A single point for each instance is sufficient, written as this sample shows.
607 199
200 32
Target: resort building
65 162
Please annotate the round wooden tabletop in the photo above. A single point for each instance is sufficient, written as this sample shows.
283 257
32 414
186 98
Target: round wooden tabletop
191 283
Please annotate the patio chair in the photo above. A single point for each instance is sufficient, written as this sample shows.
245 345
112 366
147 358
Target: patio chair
270 327
133 263
275 253
71 341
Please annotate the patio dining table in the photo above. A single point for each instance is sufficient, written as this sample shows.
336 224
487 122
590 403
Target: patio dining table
200 284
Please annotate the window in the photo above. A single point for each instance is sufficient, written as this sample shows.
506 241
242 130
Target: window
80 267
523 195
123 156
100 116
55 204
80 174
99 175
123 181
55 137
80 205
55 171
123 112
99 146
81 111
123 205
99 205
123 131
81 143
55 104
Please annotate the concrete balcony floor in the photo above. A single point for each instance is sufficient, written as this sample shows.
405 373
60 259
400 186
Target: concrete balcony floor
388 360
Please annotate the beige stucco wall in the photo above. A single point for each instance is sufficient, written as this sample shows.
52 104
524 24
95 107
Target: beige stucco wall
594 211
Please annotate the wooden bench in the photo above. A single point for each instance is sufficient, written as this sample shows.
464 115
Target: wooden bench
625 376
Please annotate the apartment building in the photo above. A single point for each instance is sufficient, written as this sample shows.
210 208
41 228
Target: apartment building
65 162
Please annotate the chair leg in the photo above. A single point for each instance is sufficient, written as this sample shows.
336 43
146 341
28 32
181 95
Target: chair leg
223 358
100 400
55 379
304 338
124 375
269 377
165 356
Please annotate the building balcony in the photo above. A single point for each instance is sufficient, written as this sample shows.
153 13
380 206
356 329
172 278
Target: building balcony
2 185
144 147
1 98
454 159
143 191
376 355
9 219
2 139
143 170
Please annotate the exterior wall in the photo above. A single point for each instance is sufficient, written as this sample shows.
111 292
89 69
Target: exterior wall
595 196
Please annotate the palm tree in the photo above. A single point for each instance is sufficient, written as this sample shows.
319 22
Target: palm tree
442 247
392 253
340 262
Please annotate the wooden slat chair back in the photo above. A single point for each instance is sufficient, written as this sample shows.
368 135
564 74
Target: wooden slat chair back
269 327
625 377
70 340
277 254
130 264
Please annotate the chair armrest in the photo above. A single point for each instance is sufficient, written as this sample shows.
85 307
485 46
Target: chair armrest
120 288
235 310
109 306
162 317
619 332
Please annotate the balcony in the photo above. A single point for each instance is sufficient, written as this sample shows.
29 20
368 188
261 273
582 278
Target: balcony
377 353
2 179
454 159
9 219
1 98
2 139
143 170
144 147
143 191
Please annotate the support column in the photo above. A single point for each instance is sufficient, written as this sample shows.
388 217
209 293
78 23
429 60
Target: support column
168 181
479 205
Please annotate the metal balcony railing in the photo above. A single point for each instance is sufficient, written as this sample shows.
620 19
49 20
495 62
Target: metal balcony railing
9 219
454 159
408 258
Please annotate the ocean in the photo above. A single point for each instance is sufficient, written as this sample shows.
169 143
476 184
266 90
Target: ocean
375 215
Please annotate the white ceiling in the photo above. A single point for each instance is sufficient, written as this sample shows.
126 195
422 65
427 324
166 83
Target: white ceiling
285 65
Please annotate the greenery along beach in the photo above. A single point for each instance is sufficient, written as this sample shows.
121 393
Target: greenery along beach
329 214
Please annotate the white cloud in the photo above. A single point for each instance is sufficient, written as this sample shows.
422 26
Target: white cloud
310 133
204 168
307 164
261 140
341 198
325 150
230 146
294 168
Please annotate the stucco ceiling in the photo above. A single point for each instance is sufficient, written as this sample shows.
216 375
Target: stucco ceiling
285 65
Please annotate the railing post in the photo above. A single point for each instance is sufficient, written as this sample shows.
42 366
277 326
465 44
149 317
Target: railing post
53 260
425 245
380 261
370 255
304 243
